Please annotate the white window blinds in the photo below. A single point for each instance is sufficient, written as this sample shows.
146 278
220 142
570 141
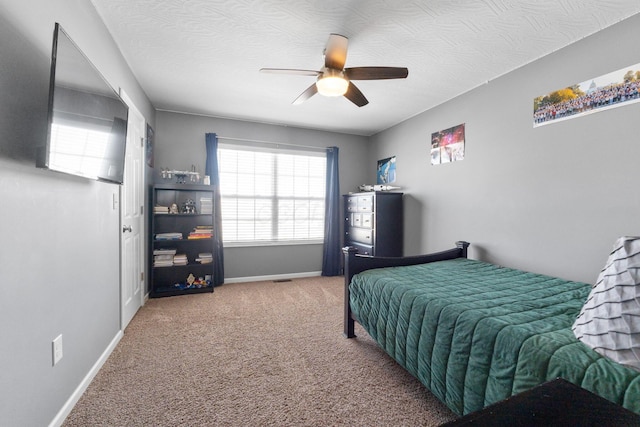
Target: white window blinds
271 195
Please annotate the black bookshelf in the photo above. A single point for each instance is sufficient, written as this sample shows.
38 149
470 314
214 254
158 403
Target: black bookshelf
181 240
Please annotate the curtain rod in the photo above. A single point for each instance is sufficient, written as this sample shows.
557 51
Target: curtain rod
273 143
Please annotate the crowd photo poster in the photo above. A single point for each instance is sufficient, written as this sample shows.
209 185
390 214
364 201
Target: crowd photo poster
447 145
611 90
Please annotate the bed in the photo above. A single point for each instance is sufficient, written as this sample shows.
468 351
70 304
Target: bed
476 333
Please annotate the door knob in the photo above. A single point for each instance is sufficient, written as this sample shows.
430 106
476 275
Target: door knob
126 228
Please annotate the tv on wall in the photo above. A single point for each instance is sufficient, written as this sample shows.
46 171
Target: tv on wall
87 129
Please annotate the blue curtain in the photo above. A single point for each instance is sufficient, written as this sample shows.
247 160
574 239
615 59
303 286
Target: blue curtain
331 253
211 169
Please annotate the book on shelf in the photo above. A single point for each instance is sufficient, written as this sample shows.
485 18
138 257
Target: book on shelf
180 259
199 236
203 227
165 251
169 236
201 232
161 209
163 257
205 258
206 205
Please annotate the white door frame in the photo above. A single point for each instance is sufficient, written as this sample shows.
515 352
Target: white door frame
133 110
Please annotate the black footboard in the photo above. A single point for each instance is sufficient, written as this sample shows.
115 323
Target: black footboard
354 264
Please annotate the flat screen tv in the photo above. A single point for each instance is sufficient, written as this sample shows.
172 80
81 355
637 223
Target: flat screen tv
87 130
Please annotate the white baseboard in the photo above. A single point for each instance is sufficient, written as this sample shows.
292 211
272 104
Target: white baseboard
271 277
75 396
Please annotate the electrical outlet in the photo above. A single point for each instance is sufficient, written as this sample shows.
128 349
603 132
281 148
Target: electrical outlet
56 348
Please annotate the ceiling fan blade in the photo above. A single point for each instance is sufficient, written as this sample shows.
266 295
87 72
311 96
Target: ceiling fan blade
311 90
376 73
354 95
289 71
335 52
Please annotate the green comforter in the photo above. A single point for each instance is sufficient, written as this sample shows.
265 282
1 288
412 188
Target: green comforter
475 333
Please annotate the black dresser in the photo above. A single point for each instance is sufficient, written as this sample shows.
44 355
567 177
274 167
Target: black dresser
373 223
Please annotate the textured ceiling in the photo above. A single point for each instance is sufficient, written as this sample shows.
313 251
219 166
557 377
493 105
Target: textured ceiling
204 56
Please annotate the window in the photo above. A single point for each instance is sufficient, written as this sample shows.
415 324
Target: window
271 196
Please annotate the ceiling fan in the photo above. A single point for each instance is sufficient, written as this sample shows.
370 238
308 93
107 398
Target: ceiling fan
335 80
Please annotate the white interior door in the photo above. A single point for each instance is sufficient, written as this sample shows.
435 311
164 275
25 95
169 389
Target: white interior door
132 218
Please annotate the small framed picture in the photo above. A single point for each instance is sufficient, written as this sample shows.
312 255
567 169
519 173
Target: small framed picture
447 145
386 173
149 146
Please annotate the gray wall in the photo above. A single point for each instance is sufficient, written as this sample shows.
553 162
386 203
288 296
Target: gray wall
59 258
551 199
180 143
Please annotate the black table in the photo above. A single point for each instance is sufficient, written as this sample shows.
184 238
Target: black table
555 403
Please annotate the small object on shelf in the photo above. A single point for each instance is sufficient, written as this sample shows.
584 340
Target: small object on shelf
192 283
181 176
174 208
189 207
377 187
195 177
190 279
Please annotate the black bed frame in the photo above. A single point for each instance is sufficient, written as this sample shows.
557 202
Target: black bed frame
355 263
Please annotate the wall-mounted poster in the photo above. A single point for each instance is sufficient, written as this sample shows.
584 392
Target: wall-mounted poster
608 91
447 145
386 173
149 147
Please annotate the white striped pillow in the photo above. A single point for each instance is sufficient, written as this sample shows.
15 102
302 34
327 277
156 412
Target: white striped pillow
609 321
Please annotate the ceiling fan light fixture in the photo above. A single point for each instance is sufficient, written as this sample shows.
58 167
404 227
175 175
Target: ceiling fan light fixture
332 83
334 80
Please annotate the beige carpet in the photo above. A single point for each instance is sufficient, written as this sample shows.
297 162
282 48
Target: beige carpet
253 354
